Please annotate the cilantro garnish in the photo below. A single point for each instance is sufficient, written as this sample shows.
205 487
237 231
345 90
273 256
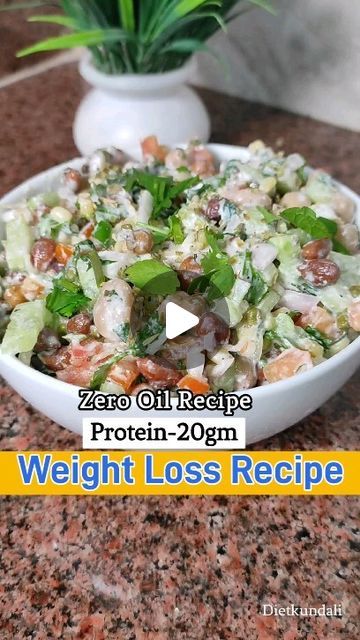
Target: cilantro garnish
163 189
123 331
153 276
173 232
320 337
101 373
66 298
258 286
102 232
219 277
267 215
147 334
318 227
176 231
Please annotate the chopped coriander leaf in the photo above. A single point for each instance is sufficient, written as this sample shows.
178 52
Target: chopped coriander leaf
89 268
305 287
123 331
159 233
339 248
102 232
258 286
153 276
176 230
102 372
219 277
267 215
320 337
318 227
273 337
164 190
66 298
147 334
98 191
109 213
221 282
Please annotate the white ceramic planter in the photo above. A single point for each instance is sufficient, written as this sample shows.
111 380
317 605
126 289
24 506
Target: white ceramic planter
121 110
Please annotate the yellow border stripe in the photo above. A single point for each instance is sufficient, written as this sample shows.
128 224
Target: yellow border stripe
207 472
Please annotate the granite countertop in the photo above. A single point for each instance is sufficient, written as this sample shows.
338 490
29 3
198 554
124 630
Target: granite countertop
177 568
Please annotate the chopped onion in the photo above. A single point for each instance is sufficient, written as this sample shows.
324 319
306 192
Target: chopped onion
263 255
295 301
195 362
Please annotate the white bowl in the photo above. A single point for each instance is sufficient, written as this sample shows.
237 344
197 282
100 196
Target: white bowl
275 406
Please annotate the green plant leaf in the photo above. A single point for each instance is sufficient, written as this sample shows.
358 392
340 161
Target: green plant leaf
71 40
264 4
153 276
126 11
185 6
187 45
64 21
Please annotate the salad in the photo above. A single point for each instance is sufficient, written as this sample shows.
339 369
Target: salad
264 250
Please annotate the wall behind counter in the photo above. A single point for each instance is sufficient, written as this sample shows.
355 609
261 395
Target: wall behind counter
306 59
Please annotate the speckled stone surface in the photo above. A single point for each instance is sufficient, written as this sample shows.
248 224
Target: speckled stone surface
16 33
170 568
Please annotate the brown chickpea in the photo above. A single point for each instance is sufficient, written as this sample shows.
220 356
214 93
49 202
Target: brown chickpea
81 323
316 249
48 340
58 360
160 372
320 272
14 296
42 253
189 269
212 210
143 242
74 180
31 289
210 324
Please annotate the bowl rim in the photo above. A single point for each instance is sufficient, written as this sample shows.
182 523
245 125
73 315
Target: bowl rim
263 391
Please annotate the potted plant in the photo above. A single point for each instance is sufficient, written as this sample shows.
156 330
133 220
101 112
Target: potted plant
139 60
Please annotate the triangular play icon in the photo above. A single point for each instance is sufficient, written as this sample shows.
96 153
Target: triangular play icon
178 320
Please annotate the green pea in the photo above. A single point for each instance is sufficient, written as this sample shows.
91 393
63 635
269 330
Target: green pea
342 322
355 290
252 316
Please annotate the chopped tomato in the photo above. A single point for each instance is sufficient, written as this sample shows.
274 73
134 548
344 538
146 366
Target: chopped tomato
287 364
354 315
77 375
85 358
202 161
151 147
88 229
63 253
196 385
124 373
321 320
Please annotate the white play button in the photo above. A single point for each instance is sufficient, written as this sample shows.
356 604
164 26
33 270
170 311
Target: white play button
178 320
